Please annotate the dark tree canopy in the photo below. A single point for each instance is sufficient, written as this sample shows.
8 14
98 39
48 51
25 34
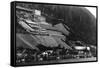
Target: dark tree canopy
81 22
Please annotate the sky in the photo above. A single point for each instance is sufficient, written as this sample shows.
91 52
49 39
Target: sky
92 10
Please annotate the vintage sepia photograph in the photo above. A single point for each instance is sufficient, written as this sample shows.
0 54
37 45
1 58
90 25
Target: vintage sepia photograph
48 33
